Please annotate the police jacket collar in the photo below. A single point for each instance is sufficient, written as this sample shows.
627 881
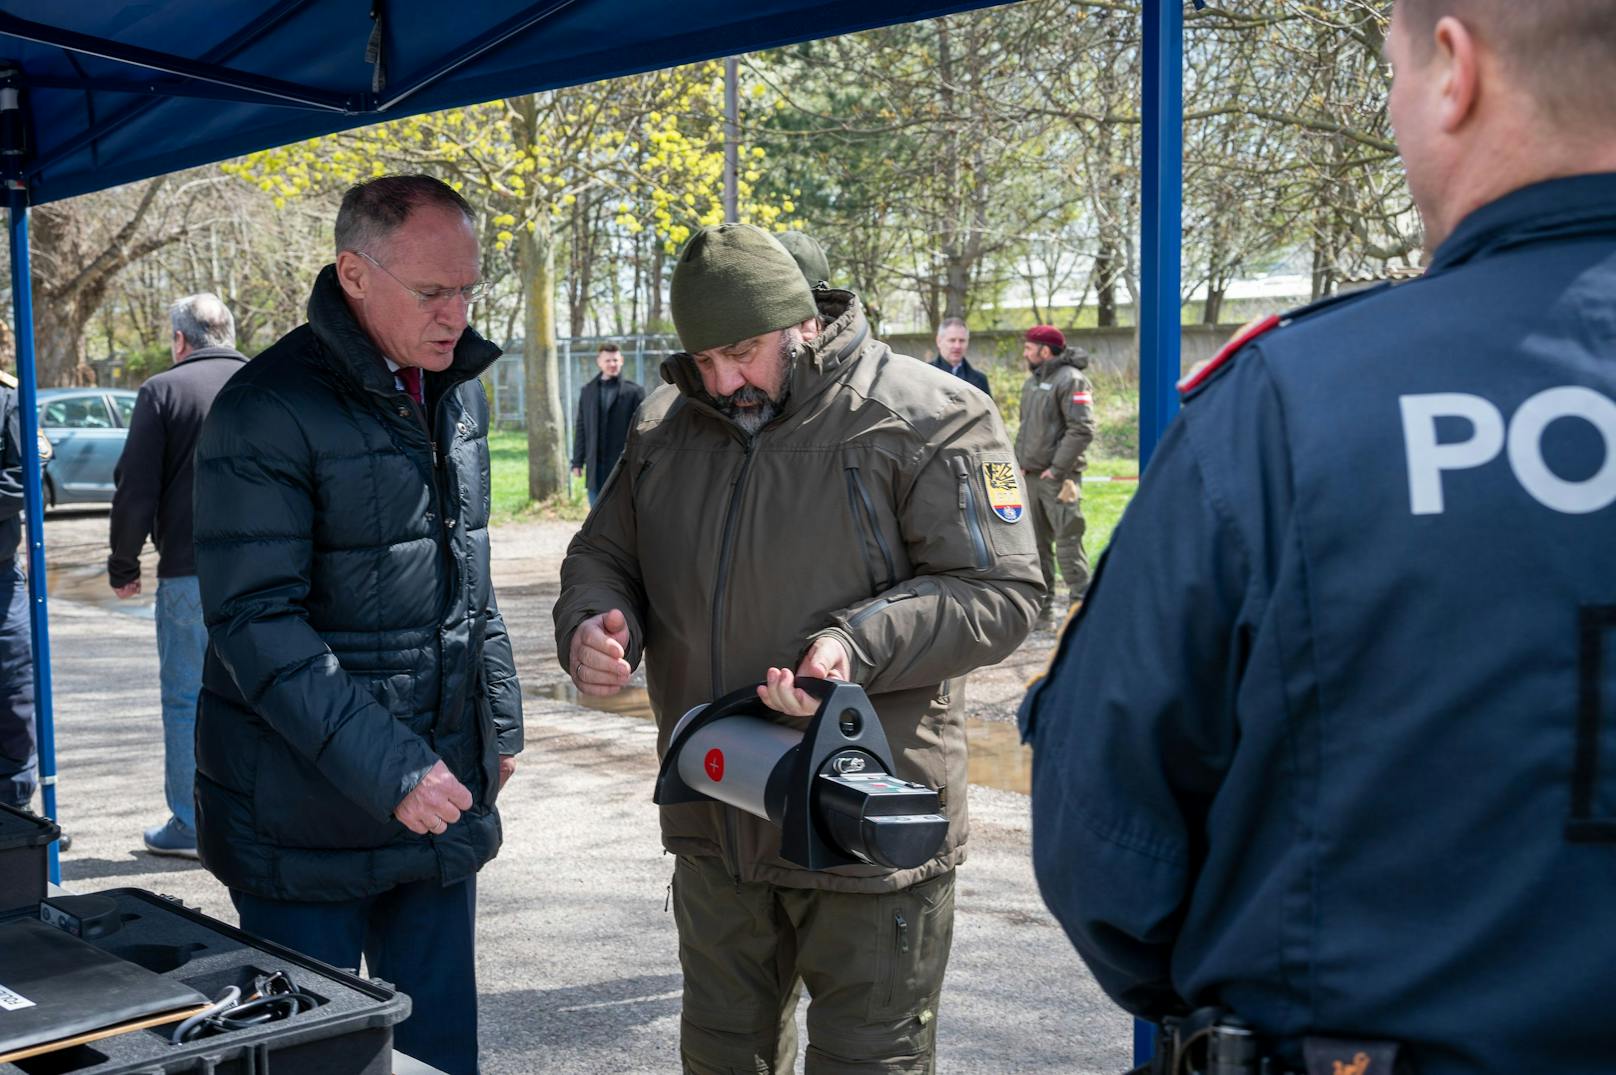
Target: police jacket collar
1554 208
350 352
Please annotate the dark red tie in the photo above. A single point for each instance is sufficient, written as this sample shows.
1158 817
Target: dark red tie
411 376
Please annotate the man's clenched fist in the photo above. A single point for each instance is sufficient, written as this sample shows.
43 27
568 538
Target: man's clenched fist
435 804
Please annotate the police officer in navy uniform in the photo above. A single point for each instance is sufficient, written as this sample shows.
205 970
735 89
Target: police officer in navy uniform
1330 743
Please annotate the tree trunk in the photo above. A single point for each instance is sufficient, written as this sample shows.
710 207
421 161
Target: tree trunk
653 318
1105 287
546 452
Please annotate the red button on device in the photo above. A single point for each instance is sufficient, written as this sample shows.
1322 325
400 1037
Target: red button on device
715 764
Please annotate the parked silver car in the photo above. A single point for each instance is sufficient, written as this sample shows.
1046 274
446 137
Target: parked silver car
86 428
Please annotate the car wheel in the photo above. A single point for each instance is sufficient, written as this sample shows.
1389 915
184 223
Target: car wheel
50 494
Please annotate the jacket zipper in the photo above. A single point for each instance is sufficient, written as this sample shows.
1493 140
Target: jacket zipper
726 548
861 497
967 507
441 521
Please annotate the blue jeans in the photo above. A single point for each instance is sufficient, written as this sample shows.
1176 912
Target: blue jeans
420 936
182 642
19 755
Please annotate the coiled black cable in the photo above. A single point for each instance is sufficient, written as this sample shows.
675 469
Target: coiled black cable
274 997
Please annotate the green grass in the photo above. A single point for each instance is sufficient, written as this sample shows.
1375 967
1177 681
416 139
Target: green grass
1103 502
507 455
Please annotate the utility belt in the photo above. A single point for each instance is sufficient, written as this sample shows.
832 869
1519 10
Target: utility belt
1214 1041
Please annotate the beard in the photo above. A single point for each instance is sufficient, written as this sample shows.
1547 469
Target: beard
751 407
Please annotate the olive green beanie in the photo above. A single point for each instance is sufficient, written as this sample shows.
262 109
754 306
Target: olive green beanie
733 282
809 256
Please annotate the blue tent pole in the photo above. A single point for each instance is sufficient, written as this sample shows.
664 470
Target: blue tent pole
1160 239
1160 221
22 304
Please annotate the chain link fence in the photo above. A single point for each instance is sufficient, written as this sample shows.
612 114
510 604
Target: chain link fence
642 361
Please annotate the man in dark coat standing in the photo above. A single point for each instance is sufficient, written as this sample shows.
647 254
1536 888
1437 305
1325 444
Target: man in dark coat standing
360 708
606 409
953 339
153 497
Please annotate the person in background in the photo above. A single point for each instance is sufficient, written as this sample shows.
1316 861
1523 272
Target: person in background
953 340
1057 427
809 256
153 498
606 406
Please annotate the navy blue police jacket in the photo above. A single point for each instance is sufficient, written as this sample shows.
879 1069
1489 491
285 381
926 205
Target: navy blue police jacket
1324 744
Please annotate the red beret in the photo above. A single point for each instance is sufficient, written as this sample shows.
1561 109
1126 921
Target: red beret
1048 335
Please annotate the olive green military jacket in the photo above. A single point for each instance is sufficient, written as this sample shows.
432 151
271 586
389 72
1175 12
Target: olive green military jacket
881 506
1057 416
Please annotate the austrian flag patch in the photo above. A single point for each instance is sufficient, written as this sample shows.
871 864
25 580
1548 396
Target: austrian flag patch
1085 398
1004 493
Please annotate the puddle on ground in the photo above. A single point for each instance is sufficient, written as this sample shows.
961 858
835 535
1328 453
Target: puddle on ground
997 757
87 584
632 702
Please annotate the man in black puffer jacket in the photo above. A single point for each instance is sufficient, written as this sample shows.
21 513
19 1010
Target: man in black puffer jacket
360 708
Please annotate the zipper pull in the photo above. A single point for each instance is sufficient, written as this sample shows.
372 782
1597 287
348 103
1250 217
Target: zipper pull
903 931
667 901
434 445
957 465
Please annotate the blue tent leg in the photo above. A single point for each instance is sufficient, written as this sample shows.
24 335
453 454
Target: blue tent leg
22 301
1161 221
1160 240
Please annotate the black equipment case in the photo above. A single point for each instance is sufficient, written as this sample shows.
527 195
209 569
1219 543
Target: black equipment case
23 840
349 1032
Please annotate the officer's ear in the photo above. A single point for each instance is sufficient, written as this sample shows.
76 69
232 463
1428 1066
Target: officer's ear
1456 52
809 330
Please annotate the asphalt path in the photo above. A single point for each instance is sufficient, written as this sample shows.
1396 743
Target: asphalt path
578 969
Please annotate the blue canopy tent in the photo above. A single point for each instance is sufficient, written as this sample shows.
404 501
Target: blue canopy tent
102 92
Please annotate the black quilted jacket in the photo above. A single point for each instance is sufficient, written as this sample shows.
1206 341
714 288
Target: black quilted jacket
353 634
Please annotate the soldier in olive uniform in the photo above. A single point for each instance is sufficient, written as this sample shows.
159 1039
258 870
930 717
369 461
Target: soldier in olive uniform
798 500
1057 425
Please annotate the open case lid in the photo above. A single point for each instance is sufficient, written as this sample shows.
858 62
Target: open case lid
18 828
55 986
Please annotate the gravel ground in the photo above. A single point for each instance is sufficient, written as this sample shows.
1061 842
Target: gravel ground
578 969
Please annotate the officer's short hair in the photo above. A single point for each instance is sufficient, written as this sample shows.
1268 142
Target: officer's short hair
610 346
952 322
204 320
1561 51
374 209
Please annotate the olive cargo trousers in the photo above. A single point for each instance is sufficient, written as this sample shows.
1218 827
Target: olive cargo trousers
872 963
1058 529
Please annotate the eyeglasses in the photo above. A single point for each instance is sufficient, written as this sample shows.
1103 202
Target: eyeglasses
437 297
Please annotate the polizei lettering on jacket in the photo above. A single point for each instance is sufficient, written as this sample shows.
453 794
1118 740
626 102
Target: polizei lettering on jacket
1521 440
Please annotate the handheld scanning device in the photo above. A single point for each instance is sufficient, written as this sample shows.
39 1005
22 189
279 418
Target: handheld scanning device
829 787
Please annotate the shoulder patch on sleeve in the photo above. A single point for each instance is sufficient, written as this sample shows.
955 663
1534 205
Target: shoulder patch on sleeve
1203 373
1004 492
